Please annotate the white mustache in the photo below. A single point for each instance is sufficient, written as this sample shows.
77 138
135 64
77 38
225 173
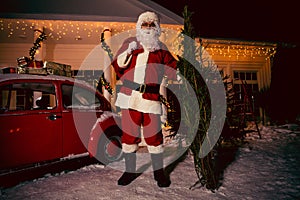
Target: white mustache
148 31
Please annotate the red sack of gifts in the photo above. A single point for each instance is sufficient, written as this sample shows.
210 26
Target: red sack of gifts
26 62
35 64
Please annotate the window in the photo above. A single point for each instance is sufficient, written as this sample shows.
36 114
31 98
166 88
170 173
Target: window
246 83
78 97
249 79
89 76
27 96
245 75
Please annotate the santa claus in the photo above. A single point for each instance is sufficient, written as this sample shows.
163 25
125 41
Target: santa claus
142 63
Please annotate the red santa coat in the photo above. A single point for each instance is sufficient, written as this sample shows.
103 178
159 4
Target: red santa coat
143 67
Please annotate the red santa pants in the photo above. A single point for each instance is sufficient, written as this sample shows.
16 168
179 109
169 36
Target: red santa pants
132 121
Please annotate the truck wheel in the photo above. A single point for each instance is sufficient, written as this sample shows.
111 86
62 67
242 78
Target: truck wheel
110 146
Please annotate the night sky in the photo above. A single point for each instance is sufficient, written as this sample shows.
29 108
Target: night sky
266 20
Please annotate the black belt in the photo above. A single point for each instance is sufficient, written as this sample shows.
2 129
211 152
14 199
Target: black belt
142 88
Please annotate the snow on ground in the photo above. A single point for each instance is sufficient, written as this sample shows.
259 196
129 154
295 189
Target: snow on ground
266 168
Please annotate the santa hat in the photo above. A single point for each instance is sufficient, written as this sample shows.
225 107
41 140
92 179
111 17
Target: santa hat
148 17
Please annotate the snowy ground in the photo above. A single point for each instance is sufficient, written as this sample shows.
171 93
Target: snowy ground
266 168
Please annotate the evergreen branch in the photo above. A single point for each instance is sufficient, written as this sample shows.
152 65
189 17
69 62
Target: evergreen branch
108 50
37 43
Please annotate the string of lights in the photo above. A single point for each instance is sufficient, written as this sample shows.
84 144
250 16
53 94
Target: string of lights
59 30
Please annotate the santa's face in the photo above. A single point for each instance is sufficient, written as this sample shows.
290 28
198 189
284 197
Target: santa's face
148 34
148 28
148 24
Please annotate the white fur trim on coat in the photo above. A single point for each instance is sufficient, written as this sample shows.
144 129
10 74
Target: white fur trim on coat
122 58
135 100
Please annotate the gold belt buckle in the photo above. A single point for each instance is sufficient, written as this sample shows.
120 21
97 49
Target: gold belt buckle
142 88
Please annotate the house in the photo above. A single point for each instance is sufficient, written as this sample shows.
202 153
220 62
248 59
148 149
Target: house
74 31
248 65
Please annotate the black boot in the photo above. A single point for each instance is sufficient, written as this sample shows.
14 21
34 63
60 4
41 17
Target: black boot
159 174
130 174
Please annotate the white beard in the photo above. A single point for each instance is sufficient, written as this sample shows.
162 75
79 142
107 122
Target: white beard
148 38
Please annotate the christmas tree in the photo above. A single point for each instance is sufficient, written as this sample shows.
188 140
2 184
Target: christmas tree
196 77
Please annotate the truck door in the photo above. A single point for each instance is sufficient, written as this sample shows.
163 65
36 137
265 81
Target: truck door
30 121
